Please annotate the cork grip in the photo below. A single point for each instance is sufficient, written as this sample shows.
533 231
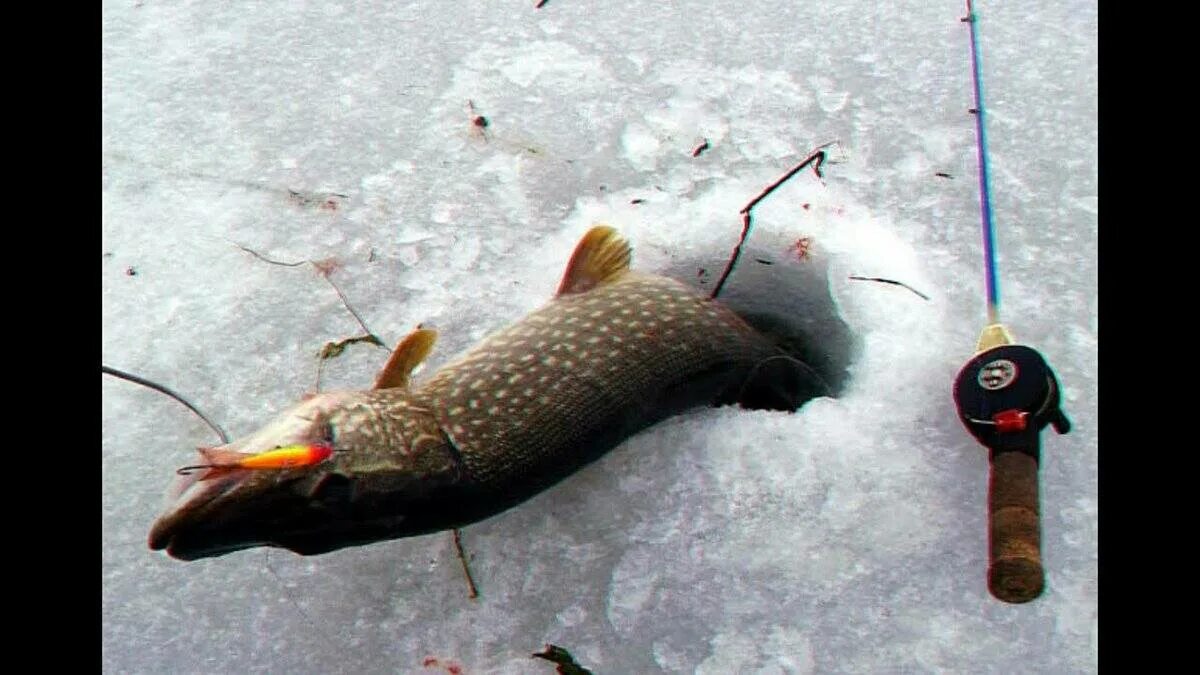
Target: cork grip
1014 529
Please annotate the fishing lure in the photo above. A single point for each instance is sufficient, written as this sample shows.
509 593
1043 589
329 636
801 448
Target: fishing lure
286 457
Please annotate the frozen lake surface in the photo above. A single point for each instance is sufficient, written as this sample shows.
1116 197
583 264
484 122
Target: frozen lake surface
848 537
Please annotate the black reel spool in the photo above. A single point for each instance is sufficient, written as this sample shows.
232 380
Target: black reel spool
1006 396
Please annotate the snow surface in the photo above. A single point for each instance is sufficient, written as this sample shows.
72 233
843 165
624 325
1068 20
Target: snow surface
849 537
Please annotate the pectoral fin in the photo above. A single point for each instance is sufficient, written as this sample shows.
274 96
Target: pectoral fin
409 354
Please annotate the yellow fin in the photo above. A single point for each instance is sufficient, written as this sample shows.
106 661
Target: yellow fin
600 257
409 354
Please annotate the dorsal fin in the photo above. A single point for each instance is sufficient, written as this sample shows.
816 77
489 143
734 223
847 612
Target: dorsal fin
409 354
600 257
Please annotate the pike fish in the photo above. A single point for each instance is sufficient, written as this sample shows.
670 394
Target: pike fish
614 352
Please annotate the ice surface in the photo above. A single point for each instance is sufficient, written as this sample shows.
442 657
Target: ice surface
849 537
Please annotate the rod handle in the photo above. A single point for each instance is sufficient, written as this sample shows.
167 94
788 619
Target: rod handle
1014 528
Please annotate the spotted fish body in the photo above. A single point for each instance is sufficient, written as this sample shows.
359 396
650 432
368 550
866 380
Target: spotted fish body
614 352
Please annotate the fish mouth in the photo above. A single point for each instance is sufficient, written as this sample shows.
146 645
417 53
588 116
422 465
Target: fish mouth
187 548
193 526
231 510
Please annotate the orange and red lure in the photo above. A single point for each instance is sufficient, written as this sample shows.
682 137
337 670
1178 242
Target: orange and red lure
286 457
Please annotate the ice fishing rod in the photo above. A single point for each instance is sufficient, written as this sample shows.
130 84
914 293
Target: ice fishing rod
1006 395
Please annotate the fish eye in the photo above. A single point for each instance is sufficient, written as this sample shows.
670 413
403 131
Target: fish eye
327 432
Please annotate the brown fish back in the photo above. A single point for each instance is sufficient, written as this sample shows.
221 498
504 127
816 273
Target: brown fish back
534 401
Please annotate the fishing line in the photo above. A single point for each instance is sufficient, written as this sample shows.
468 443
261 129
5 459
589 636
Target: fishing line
800 365
163 390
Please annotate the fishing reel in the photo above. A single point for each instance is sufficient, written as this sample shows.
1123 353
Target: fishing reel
1006 396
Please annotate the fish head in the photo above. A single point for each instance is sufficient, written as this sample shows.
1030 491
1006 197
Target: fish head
364 491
